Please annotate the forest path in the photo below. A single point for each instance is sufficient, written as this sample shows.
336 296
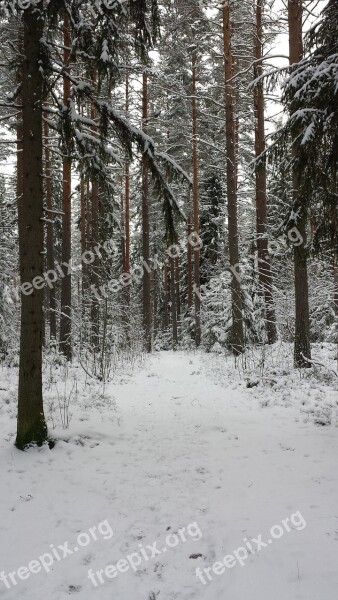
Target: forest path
177 447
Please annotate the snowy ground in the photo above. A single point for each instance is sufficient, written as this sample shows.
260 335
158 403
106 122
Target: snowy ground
180 449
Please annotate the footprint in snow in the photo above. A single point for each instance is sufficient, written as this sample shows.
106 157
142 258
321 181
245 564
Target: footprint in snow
201 470
73 589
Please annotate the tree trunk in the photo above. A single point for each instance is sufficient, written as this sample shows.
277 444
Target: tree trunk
189 263
177 286
50 236
94 240
197 295
237 341
173 302
335 247
145 228
335 280
31 425
95 278
264 265
165 297
127 194
83 209
66 282
122 224
302 347
127 224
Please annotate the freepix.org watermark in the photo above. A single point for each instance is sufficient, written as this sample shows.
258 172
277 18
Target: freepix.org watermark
17 5
144 553
45 561
137 272
111 249
295 522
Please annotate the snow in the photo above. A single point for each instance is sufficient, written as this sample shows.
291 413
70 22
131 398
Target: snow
105 57
178 439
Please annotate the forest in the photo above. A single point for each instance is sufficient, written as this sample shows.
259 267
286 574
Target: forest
169 298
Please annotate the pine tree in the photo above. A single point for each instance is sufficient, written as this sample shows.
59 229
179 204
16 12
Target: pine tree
66 282
237 337
302 349
31 426
264 266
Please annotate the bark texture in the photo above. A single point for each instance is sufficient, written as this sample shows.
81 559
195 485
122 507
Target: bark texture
264 265
196 289
302 347
146 229
237 337
66 282
31 425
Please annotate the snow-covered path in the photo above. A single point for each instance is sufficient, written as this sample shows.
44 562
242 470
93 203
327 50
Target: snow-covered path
177 448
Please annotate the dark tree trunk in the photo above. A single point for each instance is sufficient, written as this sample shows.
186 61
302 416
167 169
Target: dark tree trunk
177 286
31 425
127 194
165 297
50 236
122 224
335 279
94 240
126 225
145 228
264 265
189 263
95 278
84 230
335 245
197 295
302 347
237 341
66 282
173 302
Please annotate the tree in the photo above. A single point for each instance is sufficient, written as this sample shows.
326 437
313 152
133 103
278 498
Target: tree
146 285
66 283
310 96
237 341
31 425
196 288
50 233
302 348
264 266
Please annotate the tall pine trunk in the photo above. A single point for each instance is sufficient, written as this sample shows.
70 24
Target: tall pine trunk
335 244
237 337
31 425
66 282
302 347
50 235
189 262
95 277
165 297
127 195
196 289
145 228
335 277
177 286
127 226
264 265
94 240
83 209
173 302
